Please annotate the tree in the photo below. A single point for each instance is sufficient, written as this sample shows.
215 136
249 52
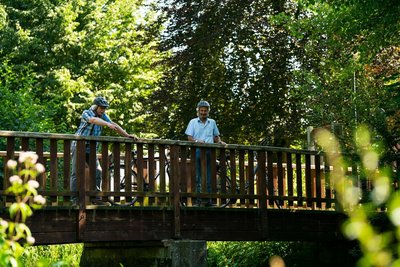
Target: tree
236 55
79 49
346 72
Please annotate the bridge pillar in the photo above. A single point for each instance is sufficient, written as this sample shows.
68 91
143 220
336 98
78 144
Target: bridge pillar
174 253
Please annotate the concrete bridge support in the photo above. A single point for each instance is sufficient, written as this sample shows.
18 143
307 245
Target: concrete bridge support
174 253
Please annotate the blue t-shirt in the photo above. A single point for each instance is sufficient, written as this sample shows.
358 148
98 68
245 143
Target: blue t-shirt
202 131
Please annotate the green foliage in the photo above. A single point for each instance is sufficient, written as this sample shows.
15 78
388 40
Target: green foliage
67 255
345 71
242 253
19 109
14 233
76 50
266 253
237 56
379 246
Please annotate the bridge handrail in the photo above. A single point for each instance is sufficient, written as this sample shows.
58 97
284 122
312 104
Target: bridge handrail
150 141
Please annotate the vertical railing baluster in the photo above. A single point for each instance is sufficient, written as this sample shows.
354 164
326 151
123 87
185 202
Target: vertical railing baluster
162 161
289 169
299 180
270 178
242 182
117 169
261 180
250 175
318 180
140 179
280 175
128 171
328 187
203 158
10 155
82 197
222 174
105 166
41 159
25 144
213 161
53 168
174 189
308 180
151 171
193 171
67 168
183 171
232 160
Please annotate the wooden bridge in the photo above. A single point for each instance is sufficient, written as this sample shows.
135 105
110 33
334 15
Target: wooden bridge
258 192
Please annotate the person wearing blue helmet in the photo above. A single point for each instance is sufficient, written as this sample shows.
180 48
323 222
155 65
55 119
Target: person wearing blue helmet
92 122
203 130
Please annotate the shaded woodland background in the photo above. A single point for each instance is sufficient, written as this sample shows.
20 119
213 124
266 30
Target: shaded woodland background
269 69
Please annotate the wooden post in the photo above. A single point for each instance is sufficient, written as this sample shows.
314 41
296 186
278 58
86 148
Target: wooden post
262 192
175 181
80 176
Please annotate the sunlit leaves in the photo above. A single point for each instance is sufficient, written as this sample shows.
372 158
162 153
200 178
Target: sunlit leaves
378 245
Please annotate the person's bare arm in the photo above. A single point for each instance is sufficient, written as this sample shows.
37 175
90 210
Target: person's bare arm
217 139
112 126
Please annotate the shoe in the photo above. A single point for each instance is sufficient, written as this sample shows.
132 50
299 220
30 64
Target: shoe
100 202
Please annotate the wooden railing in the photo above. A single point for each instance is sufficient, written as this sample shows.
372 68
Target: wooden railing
162 173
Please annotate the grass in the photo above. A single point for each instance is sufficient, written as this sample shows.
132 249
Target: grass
67 255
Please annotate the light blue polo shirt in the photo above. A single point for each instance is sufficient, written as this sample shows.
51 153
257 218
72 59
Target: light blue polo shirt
202 131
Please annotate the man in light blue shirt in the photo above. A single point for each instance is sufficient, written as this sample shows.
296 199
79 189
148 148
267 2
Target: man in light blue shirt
203 130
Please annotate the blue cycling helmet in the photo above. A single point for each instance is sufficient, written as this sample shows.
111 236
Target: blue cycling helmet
100 101
203 103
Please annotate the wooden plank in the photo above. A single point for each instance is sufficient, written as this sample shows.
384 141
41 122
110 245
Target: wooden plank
232 163
129 165
289 169
193 168
203 160
222 175
242 183
53 167
299 180
213 162
328 186
250 174
280 175
309 183
105 166
9 155
39 152
163 169
318 187
67 164
82 198
175 181
151 170
270 177
66 185
25 144
140 170
117 168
